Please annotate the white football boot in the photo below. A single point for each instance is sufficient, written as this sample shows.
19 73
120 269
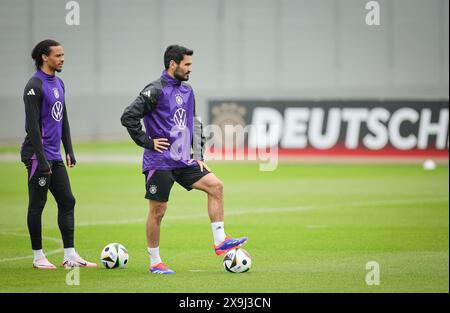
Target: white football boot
77 261
43 264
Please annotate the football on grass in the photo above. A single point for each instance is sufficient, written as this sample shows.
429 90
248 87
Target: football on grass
114 255
237 261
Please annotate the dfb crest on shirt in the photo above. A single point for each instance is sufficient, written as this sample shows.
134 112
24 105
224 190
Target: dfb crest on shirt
42 181
179 99
180 118
56 93
57 111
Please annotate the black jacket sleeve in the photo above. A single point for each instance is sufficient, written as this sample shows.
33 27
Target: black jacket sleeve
66 138
32 97
131 117
198 138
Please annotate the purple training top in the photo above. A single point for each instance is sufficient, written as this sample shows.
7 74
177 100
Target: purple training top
45 118
172 118
167 107
52 111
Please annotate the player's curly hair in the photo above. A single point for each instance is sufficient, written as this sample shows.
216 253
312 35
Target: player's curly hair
176 53
42 48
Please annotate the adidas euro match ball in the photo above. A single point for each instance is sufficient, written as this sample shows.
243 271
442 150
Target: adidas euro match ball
114 255
237 261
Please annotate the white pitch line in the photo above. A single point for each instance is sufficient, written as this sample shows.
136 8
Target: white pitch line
316 226
267 211
242 212
195 216
262 211
122 222
51 252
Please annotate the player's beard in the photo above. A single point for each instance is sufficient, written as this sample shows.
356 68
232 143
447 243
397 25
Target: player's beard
178 73
56 69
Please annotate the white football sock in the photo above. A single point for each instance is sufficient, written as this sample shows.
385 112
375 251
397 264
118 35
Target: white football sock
69 253
38 254
154 256
218 232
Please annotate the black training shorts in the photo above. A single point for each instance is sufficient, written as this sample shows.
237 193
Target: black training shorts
158 183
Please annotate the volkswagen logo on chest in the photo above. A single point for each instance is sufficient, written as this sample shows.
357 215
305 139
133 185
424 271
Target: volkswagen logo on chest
57 111
180 118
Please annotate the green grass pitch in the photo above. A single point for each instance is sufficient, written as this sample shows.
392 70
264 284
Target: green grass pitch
311 228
